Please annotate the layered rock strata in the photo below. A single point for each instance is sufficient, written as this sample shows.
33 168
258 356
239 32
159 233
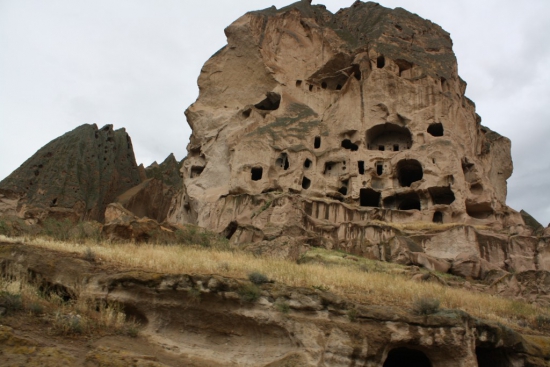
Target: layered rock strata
312 125
317 328
81 171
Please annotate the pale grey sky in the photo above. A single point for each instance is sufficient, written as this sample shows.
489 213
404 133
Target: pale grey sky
134 64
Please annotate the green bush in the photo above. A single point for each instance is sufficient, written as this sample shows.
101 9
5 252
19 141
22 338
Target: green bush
249 292
352 315
11 301
542 321
57 229
283 307
257 278
425 306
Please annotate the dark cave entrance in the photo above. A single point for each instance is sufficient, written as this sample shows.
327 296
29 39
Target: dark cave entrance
257 173
401 357
409 171
369 197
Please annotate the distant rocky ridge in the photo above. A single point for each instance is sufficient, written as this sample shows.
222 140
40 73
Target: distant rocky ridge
77 175
83 170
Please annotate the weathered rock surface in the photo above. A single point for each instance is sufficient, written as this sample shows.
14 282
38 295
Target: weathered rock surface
316 125
153 197
82 170
122 225
215 325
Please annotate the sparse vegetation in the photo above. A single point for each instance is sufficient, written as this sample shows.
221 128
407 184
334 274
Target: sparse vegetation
89 255
249 292
282 306
352 315
424 306
257 278
57 229
384 284
79 316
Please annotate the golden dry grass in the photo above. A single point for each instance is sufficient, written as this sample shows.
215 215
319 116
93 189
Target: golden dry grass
384 287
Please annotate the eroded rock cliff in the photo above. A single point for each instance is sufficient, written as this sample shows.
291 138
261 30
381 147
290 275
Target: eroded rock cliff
311 125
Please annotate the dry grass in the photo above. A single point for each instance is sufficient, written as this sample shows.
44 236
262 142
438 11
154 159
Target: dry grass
80 316
378 287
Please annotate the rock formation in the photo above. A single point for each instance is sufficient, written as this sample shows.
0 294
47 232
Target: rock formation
82 170
318 328
331 129
153 197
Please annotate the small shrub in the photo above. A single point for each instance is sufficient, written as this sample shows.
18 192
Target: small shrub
68 324
352 315
4 228
57 229
425 306
257 278
89 255
283 307
224 266
131 329
542 321
194 295
11 301
36 308
249 292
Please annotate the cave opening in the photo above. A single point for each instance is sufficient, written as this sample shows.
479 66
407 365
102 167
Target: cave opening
306 183
409 171
379 168
298 83
282 161
257 173
479 210
380 62
307 163
196 171
409 201
347 144
317 142
438 217
369 197
442 195
390 135
400 357
403 66
487 357
324 85
270 103
361 167
436 129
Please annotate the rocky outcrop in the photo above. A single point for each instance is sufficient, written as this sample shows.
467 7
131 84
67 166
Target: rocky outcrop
168 171
123 225
82 170
314 125
284 326
153 197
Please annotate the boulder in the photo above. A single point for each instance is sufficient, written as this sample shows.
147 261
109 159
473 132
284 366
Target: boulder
123 225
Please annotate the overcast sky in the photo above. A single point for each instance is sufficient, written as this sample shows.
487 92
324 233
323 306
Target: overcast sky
135 63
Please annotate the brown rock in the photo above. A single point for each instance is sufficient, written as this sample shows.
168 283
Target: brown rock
123 225
330 122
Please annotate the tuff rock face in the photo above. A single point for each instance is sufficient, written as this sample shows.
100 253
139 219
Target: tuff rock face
82 171
312 125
